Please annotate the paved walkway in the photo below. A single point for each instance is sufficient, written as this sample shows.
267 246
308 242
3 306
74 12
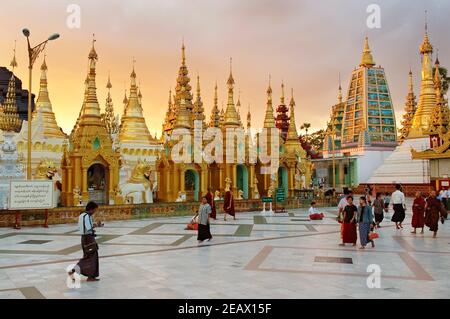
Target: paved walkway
256 256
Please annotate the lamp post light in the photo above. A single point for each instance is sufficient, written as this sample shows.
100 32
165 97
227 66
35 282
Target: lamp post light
33 54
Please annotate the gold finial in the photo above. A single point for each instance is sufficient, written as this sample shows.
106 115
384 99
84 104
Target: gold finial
44 64
340 90
125 99
426 46
183 53
93 53
230 81
269 89
282 92
109 85
367 58
198 86
133 73
14 61
292 102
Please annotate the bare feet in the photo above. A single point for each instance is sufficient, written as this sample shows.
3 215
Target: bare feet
362 247
92 279
413 232
342 244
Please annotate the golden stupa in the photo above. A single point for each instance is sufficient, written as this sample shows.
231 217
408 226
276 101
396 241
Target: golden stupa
44 108
133 129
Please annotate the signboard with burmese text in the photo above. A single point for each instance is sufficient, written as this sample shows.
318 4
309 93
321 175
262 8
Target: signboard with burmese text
31 195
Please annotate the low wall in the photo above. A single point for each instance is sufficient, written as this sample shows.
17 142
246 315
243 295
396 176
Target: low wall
68 215
409 189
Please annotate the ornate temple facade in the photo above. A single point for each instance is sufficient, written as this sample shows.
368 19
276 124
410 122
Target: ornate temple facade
361 132
190 179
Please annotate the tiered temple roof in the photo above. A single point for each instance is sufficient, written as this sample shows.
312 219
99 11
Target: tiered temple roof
9 116
369 112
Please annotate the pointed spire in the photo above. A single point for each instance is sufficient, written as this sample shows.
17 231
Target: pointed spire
249 118
282 93
426 46
269 121
183 97
14 61
367 58
409 111
340 90
9 117
133 128
125 99
292 134
43 115
198 110
108 118
215 113
231 115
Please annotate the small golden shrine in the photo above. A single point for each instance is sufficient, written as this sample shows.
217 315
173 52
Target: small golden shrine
90 166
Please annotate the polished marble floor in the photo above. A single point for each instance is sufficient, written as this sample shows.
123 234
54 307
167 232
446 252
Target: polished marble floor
256 256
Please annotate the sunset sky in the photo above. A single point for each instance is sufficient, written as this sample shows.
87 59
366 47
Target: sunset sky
306 43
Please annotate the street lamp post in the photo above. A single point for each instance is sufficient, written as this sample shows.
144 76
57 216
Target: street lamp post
33 54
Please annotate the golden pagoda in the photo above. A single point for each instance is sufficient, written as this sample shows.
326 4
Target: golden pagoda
293 157
427 98
231 115
170 116
175 178
90 166
410 110
215 113
9 117
44 109
133 129
109 118
440 118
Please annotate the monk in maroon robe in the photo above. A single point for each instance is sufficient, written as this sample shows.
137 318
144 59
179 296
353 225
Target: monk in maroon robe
433 213
228 205
210 199
418 209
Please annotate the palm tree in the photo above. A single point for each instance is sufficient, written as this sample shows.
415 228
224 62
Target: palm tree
306 126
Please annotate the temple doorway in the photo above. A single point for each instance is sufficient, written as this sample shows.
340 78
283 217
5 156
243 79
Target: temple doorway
242 180
97 183
192 185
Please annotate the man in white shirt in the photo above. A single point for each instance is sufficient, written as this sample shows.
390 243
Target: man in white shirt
88 265
399 204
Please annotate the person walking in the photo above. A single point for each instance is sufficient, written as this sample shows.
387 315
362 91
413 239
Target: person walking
341 206
348 228
365 221
204 212
211 202
418 210
433 212
89 264
399 206
378 209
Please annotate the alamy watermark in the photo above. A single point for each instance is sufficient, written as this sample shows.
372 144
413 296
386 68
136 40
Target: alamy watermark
374 279
207 146
73 20
374 19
